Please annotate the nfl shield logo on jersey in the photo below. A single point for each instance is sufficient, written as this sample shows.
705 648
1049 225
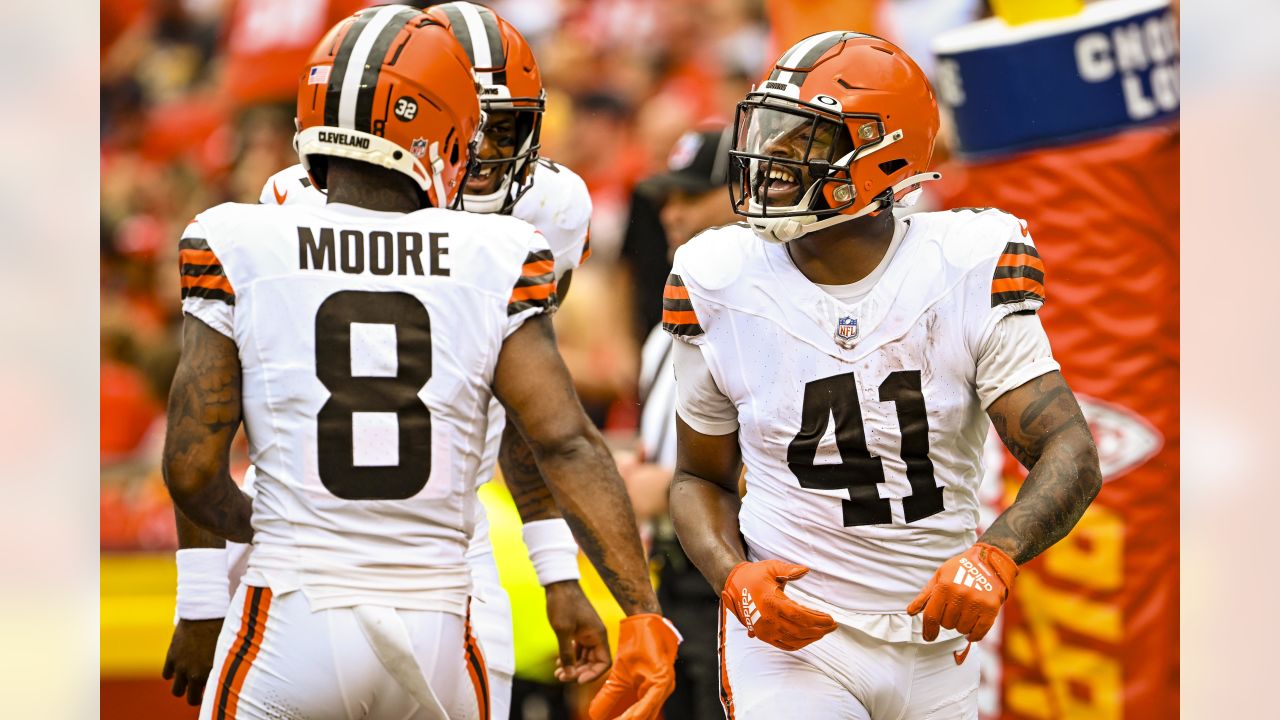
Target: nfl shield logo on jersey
847 331
418 147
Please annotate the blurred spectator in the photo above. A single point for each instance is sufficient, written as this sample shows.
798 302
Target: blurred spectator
692 197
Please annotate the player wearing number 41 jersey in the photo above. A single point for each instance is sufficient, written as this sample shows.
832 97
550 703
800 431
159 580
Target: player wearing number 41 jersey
850 360
361 343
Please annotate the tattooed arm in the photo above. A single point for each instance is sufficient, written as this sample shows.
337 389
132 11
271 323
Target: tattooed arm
533 384
204 412
533 498
1042 425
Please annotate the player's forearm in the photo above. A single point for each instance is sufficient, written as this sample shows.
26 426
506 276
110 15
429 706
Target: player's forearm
191 535
706 519
586 485
1063 480
532 497
216 505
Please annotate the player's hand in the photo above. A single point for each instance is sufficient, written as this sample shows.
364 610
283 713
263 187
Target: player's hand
754 592
966 592
584 643
643 674
190 657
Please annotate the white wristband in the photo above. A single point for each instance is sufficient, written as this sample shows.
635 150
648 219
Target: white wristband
203 590
552 550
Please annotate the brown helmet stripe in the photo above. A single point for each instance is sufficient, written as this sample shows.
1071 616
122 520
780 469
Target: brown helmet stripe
805 53
373 68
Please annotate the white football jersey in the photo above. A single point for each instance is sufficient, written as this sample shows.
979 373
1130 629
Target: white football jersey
557 204
368 342
860 426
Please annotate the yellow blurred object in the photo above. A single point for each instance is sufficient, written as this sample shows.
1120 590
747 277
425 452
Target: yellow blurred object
1018 12
535 642
136 618
137 597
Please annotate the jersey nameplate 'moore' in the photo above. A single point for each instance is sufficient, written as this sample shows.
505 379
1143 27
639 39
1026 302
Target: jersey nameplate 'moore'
380 252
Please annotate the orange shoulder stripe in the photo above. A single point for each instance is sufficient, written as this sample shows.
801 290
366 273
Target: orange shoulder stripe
198 257
1011 260
533 292
675 292
538 267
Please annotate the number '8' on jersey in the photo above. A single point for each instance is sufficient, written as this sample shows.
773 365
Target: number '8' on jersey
368 343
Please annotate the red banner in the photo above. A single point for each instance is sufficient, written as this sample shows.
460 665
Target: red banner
1091 629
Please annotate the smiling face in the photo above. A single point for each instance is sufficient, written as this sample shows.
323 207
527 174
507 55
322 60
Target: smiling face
795 141
499 143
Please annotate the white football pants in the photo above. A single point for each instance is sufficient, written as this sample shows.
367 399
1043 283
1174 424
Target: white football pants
847 675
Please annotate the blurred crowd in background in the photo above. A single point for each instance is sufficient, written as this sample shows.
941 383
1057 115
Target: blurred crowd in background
197 109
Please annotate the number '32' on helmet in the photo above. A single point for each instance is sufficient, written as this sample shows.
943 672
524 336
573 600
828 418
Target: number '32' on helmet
841 125
390 86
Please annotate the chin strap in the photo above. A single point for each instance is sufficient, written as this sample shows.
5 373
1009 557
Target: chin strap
784 230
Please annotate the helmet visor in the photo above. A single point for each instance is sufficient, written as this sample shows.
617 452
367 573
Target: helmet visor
782 157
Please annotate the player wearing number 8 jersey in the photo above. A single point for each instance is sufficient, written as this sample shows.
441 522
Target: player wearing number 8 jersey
850 359
361 343
558 205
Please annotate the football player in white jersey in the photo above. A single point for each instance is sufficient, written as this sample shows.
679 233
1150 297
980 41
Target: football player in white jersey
362 342
558 204
850 361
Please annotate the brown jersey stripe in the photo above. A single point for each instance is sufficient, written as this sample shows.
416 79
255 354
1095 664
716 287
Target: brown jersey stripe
1009 298
549 305
677 305
674 280
193 243
209 294
1018 271
199 270
212 282
533 292
683 330
586 248
1015 248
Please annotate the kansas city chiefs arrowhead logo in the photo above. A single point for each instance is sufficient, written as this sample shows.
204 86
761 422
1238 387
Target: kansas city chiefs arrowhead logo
1125 439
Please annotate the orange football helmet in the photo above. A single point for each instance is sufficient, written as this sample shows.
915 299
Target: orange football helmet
390 86
509 82
842 125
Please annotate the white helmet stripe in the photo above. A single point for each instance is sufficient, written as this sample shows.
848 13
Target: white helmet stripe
479 41
799 50
355 64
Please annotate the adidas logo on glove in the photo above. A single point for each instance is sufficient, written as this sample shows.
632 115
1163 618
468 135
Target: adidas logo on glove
749 611
969 575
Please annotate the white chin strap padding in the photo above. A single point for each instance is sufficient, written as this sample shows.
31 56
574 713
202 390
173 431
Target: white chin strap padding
784 230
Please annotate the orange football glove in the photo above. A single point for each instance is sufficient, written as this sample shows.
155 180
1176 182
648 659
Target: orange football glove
643 673
753 591
966 593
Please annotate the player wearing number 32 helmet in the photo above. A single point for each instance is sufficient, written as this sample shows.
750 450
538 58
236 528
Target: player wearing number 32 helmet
361 343
850 357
